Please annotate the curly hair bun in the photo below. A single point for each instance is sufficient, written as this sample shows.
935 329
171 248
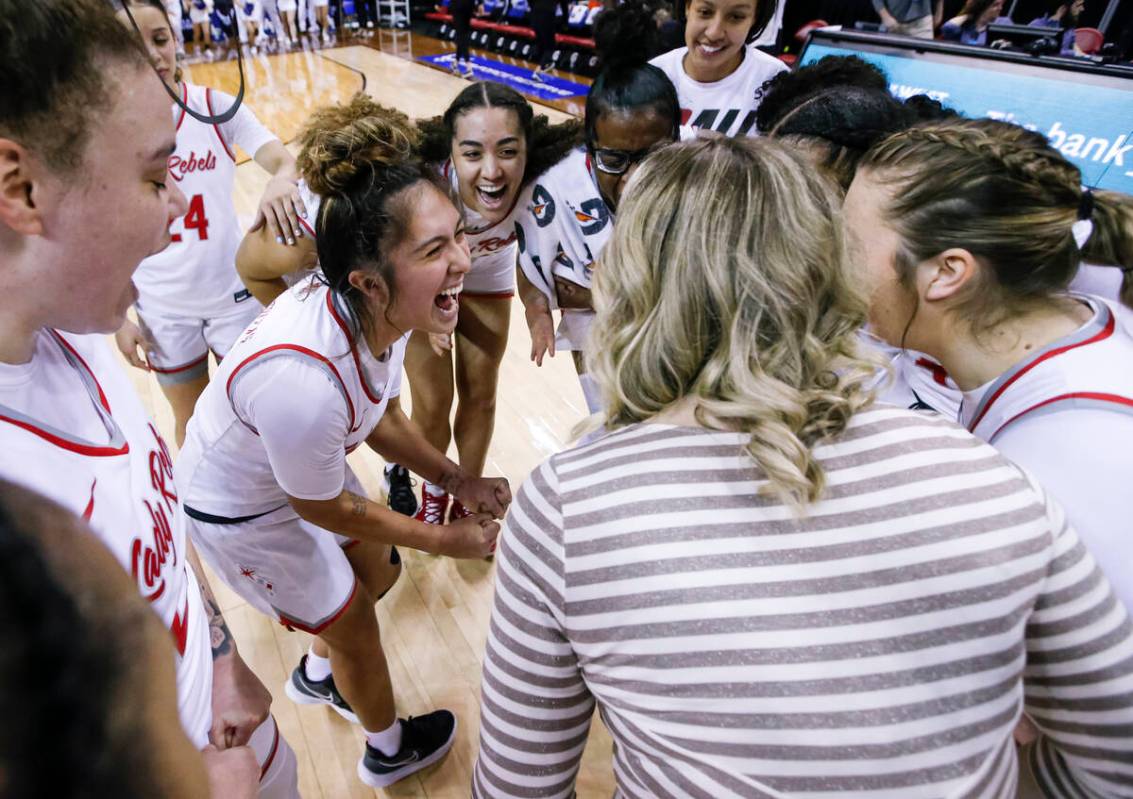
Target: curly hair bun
625 36
341 142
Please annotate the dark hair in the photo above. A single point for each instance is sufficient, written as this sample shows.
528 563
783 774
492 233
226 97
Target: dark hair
625 38
66 668
787 90
56 56
973 10
926 109
1008 197
847 121
764 13
364 212
547 144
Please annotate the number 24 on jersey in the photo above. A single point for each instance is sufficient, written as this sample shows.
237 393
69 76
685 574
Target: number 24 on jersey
194 219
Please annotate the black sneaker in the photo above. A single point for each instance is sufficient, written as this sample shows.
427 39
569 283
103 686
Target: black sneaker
399 490
302 690
424 741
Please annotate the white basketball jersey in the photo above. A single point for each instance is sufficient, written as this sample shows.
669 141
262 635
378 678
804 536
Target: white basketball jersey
224 469
728 105
312 202
196 274
492 245
919 382
562 223
120 481
1091 368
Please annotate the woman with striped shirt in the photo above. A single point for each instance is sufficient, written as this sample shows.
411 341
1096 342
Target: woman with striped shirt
769 584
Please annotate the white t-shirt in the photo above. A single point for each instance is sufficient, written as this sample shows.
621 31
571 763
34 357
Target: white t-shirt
918 382
293 397
72 428
728 105
1066 414
195 275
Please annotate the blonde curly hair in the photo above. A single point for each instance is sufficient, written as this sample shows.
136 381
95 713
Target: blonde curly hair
726 282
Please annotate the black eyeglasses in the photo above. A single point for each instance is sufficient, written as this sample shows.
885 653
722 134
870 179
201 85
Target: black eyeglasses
616 162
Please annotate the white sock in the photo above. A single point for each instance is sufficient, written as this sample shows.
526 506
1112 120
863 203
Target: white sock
317 668
388 741
434 490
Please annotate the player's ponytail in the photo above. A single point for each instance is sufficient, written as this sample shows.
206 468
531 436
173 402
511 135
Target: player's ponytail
340 142
547 143
1111 242
625 38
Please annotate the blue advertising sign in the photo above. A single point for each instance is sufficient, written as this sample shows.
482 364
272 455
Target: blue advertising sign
518 78
1088 117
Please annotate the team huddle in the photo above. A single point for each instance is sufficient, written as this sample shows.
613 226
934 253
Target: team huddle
889 290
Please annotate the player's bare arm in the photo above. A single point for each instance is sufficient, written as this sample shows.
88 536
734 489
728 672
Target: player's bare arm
263 262
240 702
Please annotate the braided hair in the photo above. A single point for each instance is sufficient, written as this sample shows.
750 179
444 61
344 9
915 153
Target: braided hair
1007 196
547 143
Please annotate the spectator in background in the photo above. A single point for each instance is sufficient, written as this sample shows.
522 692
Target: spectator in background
89 671
462 11
970 25
1063 15
917 18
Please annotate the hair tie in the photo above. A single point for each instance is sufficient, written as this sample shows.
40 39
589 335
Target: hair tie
1084 227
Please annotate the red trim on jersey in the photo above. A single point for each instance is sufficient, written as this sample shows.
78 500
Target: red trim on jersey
353 352
180 628
290 623
219 135
176 369
89 511
62 443
1116 399
274 748
185 100
488 295
101 395
302 351
1105 333
939 375
308 227
352 542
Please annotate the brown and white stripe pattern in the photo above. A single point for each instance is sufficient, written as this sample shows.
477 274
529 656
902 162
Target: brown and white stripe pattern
877 647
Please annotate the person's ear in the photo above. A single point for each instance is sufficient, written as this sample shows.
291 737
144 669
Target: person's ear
370 284
945 275
18 190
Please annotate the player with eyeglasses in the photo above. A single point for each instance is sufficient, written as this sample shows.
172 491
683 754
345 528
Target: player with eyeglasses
566 215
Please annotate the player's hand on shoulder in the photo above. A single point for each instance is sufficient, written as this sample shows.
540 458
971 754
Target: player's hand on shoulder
131 341
232 773
471 537
280 210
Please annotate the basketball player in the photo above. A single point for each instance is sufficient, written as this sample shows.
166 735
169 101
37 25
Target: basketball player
85 127
567 214
200 15
271 502
333 137
487 145
174 10
970 232
289 33
250 19
719 73
190 299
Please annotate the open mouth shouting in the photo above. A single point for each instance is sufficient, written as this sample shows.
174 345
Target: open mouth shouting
448 303
490 196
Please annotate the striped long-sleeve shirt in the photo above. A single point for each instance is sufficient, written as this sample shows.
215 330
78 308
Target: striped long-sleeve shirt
884 645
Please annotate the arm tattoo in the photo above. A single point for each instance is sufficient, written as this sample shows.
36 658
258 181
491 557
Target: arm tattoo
357 504
219 635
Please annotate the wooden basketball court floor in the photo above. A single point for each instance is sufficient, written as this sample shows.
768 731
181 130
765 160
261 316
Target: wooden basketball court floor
434 622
